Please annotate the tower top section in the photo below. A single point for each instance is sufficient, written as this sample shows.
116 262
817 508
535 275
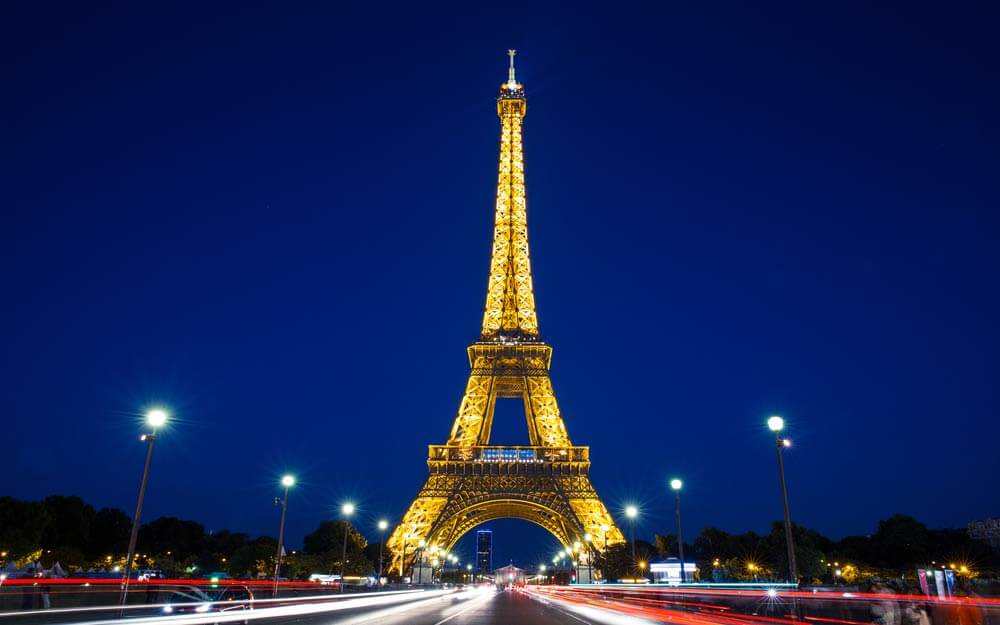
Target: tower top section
511 89
510 300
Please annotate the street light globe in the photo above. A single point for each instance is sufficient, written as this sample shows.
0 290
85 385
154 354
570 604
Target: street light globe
676 484
156 417
383 524
631 512
775 423
541 567
605 527
468 567
288 481
587 537
347 509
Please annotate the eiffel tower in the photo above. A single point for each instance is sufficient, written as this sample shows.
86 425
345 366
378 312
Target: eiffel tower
470 481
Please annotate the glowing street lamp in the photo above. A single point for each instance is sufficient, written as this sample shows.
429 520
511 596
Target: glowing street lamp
156 418
676 485
347 509
287 481
630 513
382 526
776 424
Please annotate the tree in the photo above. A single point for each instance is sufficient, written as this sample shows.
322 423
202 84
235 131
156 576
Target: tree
109 533
900 540
810 548
300 565
666 546
327 542
615 562
225 543
22 524
254 559
371 554
70 523
183 539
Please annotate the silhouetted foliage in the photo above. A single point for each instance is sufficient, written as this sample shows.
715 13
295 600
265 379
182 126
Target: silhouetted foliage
327 543
22 524
68 530
184 539
70 521
256 558
109 533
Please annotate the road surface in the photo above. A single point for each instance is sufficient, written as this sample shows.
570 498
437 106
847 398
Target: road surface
484 608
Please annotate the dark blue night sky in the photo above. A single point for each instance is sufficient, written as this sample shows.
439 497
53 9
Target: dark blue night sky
276 221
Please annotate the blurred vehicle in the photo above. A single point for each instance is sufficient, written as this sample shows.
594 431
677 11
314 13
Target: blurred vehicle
144 575
324 579
194 600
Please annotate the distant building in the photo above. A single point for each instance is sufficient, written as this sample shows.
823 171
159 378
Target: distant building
987 530
509 575
669 571
484 551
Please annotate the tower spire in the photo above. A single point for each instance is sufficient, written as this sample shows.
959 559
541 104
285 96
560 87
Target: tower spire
510 300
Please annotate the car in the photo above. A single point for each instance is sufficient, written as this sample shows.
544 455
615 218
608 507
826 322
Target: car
195 600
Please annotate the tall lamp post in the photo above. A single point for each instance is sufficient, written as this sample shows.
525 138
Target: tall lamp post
382 526
605 528
347 510
676 485
630 513
577 555
287 481
155 419
402 558
776 424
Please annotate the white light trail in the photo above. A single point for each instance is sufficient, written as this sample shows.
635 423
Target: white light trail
313 607
596 615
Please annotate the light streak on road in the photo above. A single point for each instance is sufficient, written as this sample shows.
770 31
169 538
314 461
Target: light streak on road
477 596
688 606
589 612
327 603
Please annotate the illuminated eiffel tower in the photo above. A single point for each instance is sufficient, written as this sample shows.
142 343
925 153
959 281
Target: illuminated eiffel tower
471 482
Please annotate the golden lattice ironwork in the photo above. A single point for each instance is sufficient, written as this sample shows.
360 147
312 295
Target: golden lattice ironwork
471 482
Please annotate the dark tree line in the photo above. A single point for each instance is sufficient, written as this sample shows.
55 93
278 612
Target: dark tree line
70 531
899 545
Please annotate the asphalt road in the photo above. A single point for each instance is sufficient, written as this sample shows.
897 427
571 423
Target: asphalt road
490 608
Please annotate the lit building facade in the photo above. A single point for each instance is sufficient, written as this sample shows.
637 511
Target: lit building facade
484 551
